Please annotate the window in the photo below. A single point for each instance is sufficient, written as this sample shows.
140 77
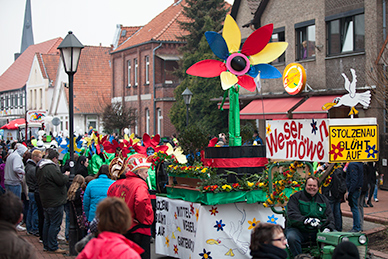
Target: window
11 97
40 98
147 69
305 40
16 100
30 98
21 100
6 102
129 73
147 112
2 103
160 117
345 33
35 100
279 35
136 68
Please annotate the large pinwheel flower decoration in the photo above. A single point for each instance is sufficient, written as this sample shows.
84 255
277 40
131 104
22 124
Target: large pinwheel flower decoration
242 67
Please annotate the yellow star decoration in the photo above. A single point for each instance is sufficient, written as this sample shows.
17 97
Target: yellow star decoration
173 235
253 223
197 213
268 129
167 242
179 229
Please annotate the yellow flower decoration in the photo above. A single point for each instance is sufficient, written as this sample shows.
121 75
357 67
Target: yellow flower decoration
226 186
268 129
167 242
253 223
250 184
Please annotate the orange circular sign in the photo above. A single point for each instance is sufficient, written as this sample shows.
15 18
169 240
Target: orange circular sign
294 78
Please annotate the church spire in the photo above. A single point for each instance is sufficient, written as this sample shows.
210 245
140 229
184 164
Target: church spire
28 37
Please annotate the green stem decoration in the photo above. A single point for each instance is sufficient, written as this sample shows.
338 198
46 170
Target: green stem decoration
234 117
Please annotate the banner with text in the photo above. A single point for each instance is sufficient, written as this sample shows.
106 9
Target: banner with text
191 230
354 143
304 140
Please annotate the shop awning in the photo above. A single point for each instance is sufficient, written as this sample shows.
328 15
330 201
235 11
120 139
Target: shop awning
275 109
312 108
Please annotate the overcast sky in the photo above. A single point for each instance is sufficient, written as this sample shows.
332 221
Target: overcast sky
92 21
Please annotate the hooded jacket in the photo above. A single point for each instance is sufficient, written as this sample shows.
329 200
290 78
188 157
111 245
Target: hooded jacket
14 167
134 191
31 180
110 245
52 184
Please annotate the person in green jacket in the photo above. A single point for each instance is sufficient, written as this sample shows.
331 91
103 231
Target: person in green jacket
307 212
53 194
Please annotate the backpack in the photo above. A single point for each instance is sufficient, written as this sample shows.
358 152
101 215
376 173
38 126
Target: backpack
338 184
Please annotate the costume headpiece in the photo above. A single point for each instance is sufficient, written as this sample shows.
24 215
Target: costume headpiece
138 161
116 167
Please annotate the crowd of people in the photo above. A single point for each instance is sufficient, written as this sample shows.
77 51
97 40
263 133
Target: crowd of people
114 214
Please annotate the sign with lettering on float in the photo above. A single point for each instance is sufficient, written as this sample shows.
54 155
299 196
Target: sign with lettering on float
304 140
353 143
323 140
191 230
176 226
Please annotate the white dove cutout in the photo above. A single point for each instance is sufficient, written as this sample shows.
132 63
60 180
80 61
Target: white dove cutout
352 98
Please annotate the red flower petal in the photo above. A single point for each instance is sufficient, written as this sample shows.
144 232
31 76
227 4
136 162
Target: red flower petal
247 82
207 68
155 140
257 40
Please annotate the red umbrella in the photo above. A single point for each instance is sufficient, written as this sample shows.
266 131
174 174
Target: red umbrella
13 125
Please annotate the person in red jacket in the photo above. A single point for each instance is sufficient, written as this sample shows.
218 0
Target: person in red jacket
134 191
114 218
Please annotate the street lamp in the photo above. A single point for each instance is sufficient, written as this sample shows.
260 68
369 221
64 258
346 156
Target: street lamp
187 94
70 49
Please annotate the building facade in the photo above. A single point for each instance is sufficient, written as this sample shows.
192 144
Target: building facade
143 64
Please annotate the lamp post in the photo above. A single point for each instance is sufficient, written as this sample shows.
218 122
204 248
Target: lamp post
70 52
187 94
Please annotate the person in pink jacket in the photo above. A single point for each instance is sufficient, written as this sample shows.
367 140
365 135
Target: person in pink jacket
114 218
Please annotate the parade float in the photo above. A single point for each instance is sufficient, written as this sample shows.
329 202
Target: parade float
205 214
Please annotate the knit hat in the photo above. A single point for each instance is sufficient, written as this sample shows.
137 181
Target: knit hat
138 161
346 250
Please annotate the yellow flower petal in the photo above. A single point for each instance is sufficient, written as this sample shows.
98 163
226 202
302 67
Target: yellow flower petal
271 52
228 80
232 35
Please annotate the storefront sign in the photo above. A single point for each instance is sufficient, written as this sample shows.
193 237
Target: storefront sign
294 78
191 230
354 143
304 140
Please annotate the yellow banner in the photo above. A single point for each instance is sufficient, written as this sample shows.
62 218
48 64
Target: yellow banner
354 143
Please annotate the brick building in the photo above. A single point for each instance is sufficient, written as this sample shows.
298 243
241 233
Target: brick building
143 61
